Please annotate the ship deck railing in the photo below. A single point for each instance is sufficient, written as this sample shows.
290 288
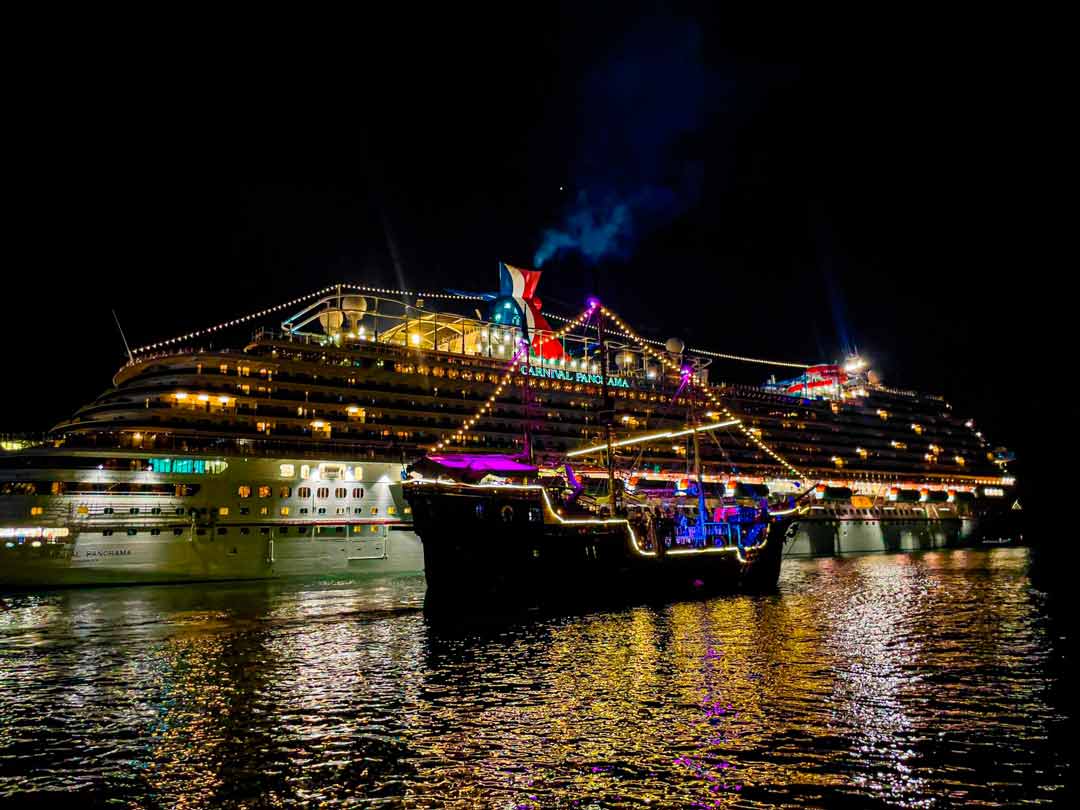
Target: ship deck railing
719 533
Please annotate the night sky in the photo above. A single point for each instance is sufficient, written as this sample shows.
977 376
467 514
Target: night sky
788 200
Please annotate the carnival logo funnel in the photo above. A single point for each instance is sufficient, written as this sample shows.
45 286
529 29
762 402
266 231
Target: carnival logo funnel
518 305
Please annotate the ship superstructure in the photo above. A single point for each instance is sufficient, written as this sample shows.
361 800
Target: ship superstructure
285 453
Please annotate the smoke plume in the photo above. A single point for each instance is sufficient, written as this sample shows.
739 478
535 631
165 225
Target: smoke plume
636 167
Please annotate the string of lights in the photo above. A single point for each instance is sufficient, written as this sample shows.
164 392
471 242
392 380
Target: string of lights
234 322
467 424
270 310
713 399
708 352
384 291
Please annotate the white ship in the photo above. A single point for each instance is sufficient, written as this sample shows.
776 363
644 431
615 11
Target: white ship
76 517
285 454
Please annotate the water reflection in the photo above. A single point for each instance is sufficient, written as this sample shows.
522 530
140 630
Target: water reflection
906 680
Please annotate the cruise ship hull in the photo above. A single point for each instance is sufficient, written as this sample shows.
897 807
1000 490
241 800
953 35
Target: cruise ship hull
829 537
143 560
253 518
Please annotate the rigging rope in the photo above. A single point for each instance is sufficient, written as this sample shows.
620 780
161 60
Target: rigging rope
632 335
709 352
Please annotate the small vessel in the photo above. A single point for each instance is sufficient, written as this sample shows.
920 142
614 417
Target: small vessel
529 539
495 531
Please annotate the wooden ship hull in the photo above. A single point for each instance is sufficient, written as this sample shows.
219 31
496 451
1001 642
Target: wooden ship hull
500 545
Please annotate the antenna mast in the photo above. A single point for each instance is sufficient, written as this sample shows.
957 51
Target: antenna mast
131 358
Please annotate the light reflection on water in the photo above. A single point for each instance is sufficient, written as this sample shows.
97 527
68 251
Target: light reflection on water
893 680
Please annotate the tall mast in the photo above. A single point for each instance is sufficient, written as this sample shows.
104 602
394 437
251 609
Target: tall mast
697 468
607 415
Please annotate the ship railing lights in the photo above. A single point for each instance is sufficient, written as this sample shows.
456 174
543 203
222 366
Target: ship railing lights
556 516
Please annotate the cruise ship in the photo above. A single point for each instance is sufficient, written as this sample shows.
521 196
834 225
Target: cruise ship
285 454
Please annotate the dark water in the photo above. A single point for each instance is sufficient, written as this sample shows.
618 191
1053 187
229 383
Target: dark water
926 680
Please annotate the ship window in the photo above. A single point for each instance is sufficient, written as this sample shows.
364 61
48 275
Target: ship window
264 510
285 511
358 510
323 492
244 491
133 510
222 530
285 492
301 530
223 510
284 530
155 532
264 530
374 510
83 510
179 510
156 510
340 492
131 532
358 492
177 532
342 510
357 529
244 510
303 510
107 532
391 510
108 510
322 510
264 491
305 471
287 470
37 510
245 531
303 492
374 529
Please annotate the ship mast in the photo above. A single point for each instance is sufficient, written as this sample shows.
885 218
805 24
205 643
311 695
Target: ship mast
697 470
607 415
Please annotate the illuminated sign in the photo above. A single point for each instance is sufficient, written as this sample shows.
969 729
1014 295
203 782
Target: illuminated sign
993 492
187 466
574 376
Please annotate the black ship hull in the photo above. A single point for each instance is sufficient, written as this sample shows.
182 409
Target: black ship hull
493 546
